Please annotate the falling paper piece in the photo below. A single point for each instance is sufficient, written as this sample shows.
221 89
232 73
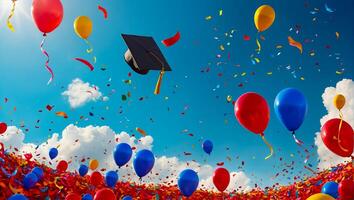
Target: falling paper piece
172 40
104 11
87 63
208 17
141 131
328 9
61 114
294 43
337 35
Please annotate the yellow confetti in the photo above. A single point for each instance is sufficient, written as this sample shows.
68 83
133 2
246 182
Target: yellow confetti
312 53
243 74
269 73
302 78
337 35
220 12
339 72
229 98
279 46
259 46
208 17
257 60
222 48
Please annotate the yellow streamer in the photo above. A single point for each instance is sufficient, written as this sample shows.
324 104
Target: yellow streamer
55 183
259 46
339 129
269 146
12 12
90 50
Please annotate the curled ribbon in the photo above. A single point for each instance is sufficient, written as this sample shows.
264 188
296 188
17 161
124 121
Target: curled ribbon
298 142
11 27
269 146
259 46
56 184
90 49
339 129
47 62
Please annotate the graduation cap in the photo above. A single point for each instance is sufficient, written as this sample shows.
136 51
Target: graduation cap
144 55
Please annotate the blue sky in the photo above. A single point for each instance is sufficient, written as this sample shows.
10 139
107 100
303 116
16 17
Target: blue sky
23 77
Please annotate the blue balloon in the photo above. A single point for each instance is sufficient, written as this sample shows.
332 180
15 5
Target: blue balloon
330 188
290 106
53 152
127 198
18 197
122 154
83 169
143 162
87 197
111 178
207 146
188 181
39 172
30 180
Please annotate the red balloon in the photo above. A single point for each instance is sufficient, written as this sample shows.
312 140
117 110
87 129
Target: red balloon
47 14
62 166
73 196
221 179
105 194
252 111
329 134
3 127
346 190
96 178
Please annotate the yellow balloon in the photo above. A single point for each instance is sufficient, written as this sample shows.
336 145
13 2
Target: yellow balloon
93 164
339 101
264 17
320 196
83 26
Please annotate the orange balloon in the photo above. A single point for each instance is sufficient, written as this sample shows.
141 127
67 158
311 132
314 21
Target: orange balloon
93 164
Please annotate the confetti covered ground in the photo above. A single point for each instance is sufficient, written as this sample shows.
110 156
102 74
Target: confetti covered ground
57 185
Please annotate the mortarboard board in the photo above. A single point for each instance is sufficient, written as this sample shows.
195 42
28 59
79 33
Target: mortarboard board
144 55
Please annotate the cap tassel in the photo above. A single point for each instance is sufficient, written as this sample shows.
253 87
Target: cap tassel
158 83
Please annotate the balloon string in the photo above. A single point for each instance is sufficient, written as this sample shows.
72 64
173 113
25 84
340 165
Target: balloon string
269 146
47 62
339 129
9 24
298 142
90 49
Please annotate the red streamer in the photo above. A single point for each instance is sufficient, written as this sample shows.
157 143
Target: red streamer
104 11
172 40
87 63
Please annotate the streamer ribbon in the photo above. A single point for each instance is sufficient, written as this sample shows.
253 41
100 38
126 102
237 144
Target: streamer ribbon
259 46
298 142
339 129
56 184
12 12
269 146
47 62
90 49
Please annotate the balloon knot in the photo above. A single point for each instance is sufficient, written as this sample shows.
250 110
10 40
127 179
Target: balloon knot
44 34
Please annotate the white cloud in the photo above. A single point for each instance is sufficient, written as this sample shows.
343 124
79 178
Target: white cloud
345 87
98 142
79 93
